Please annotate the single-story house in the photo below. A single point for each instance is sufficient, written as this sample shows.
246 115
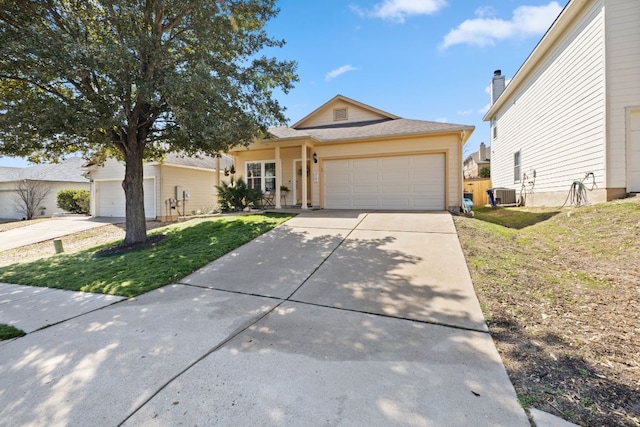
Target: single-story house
572 110
476 161
176 186
349 155
46 179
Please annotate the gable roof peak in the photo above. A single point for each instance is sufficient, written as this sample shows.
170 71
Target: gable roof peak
342 98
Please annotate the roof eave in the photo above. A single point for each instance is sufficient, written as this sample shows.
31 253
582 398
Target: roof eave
554 32
456 130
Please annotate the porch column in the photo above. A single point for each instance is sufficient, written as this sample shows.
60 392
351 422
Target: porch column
217 177
278 177
304 177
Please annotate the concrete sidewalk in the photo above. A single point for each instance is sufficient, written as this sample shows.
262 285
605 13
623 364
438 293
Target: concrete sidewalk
30 308
334 318
47 230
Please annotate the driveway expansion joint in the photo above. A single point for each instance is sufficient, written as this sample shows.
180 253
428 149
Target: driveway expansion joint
289 299
212 350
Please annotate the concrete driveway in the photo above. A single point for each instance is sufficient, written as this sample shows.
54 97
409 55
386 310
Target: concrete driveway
47 230
334 318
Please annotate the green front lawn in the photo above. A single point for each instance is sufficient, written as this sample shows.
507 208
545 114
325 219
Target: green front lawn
187 247
7 332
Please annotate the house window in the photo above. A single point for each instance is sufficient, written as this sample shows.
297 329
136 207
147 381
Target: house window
516 167
494 127
261 175
340 114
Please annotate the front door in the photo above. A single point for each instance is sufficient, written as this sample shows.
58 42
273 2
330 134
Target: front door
297 182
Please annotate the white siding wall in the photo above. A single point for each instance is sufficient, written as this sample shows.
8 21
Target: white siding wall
623 80
355 114
556 119
11 208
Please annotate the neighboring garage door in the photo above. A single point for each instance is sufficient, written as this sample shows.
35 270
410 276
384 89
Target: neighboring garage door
8 207
389 183
110 199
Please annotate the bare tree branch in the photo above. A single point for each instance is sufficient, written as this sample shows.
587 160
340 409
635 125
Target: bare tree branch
29 195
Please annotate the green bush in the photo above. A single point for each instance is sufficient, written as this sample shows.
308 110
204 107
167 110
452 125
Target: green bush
237 195
74 201
485 172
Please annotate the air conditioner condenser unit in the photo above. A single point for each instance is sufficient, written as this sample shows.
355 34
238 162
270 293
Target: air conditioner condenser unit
505 196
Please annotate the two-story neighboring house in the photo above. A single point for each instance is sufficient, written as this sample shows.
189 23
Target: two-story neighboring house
572 110
474 162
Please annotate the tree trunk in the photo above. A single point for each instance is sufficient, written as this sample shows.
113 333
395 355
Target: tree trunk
136 226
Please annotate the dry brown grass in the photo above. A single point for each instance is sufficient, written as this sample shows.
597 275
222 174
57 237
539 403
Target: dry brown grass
71 243
562 299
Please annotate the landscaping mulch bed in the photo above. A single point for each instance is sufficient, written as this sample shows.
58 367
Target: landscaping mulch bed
123 248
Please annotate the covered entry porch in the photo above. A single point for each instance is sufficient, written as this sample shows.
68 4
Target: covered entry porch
286 171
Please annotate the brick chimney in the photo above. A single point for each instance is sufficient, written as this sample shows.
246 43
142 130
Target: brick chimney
482 152
497 85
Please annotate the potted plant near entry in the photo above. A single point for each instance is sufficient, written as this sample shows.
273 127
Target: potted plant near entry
284 190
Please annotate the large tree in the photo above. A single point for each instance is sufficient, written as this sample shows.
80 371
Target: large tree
136 77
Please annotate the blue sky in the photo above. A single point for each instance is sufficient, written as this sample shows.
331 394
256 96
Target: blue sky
418 59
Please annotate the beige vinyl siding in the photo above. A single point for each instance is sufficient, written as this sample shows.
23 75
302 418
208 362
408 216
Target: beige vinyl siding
623 76
354 114
287 155
556 118
199 183
449 145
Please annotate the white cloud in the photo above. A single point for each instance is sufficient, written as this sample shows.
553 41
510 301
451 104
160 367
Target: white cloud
399 10
484 109
485 30
338 71
441 120
465 113
485 11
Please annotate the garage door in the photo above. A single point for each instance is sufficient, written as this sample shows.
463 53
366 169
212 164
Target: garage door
8 207
110 199
389 183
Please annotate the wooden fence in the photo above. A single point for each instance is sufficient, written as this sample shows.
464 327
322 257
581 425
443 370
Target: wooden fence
479 187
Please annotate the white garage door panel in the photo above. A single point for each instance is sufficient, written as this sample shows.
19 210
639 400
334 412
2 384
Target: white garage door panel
390 183
8 208
110 200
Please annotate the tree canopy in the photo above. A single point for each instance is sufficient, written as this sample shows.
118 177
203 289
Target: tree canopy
136 77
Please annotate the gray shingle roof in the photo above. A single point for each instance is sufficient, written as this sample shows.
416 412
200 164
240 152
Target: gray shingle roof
203 161
66 171
395 127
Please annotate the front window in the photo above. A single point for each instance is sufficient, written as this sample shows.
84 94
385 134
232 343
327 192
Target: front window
516 167
261 175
